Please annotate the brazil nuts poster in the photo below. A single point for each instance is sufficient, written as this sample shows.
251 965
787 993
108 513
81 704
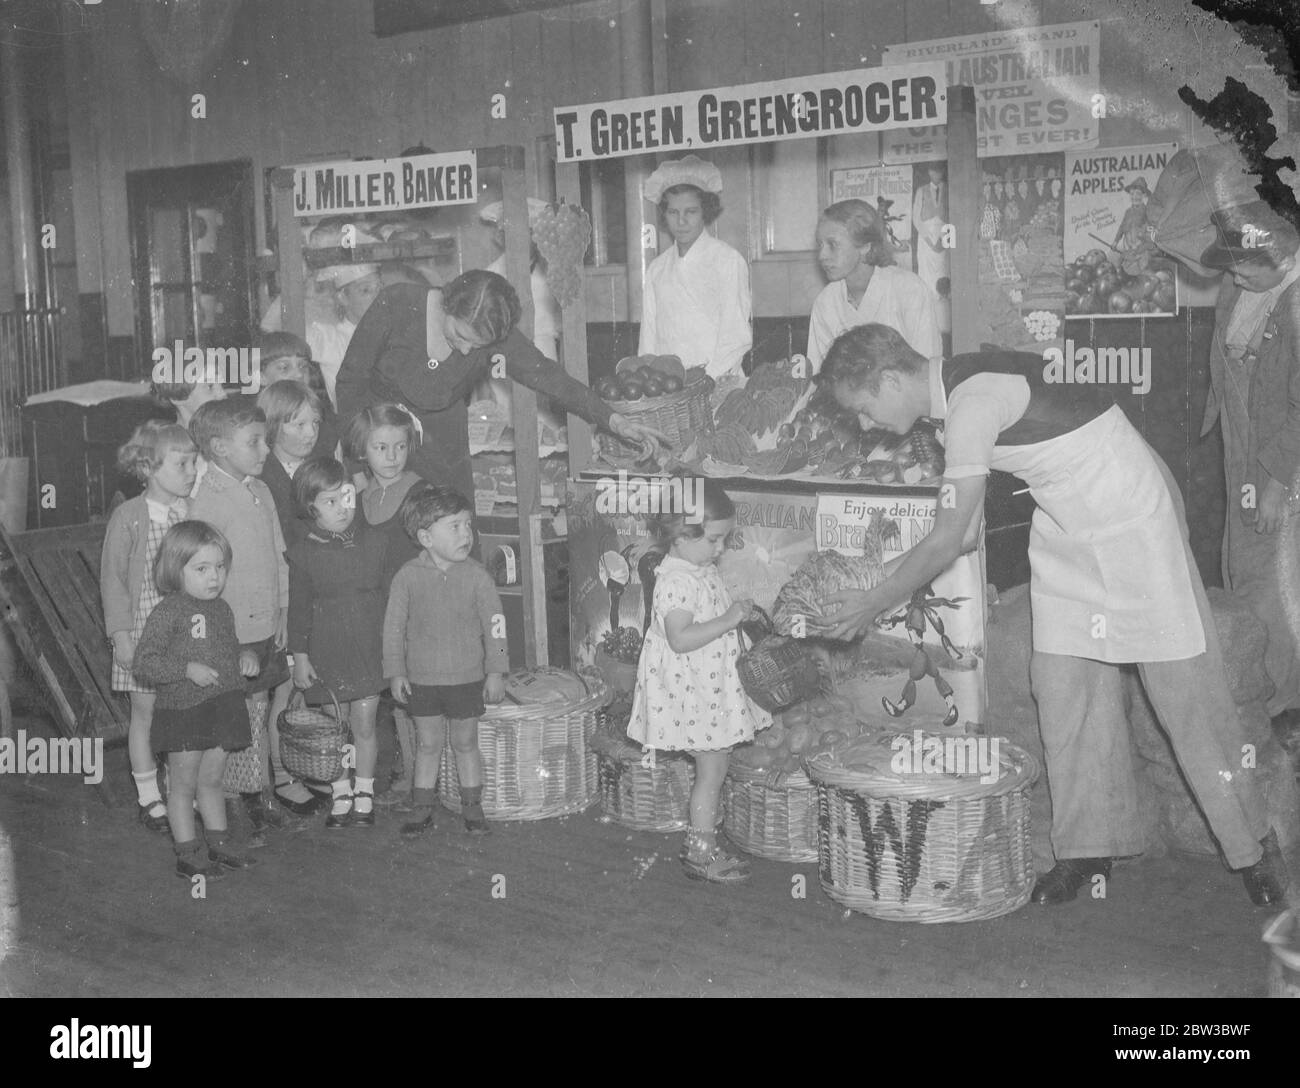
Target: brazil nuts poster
1112 266
922 663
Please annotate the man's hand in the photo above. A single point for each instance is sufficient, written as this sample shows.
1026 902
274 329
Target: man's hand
248 666
849 613
494 688
203 675
400 688
1272 507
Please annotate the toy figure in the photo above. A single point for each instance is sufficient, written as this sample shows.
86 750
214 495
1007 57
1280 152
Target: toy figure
920 608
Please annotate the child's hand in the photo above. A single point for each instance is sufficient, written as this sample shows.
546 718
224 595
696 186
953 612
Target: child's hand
281 631
739 612
304 676
494 688
400 687
124 649
248 666
203 675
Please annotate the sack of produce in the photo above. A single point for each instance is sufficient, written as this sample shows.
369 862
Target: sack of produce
825 573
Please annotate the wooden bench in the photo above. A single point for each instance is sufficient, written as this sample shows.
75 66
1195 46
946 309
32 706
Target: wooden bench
49 591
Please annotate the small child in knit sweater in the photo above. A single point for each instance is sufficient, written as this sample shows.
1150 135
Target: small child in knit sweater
444 649
189 654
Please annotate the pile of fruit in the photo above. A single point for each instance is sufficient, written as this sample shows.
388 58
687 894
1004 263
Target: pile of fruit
562 235
800 733
622 644
765 401
640 376
1093 285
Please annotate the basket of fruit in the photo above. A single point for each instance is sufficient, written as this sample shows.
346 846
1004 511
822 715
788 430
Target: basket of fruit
537 758
769 803
656 390
938 835
635 791
617 657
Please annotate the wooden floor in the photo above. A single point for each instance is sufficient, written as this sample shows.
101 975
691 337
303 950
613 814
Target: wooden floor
89 906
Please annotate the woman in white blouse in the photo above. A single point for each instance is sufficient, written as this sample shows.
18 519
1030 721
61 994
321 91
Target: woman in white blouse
696 302
865 286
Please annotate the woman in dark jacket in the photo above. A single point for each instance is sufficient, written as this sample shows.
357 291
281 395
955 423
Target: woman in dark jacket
425 349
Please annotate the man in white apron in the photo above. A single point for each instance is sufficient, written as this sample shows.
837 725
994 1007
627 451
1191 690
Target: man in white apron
1113 582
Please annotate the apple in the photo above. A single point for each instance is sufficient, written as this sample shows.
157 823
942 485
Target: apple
654 387
1088 303
632 389
671 383
1164 275
1096 257
1164 298
607 389
1076 285
1120 302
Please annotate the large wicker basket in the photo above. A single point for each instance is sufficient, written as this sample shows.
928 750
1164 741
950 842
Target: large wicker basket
537 760
926 847
771 815
646 798
681 416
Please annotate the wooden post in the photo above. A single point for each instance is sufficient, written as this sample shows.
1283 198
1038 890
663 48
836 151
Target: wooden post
574 333
964 215
524 420
293 287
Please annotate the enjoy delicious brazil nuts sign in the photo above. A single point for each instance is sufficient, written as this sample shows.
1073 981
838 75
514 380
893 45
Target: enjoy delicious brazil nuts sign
866 100
385 185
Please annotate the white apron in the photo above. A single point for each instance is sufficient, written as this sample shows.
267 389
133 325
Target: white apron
1107 549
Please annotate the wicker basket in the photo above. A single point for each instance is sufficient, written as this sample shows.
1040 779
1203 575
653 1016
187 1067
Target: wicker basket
771 816
926 847
311 742
537 760
680 416
654 798
777 672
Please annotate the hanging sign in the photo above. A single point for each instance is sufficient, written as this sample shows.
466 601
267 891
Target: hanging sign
1036 89
866 100
385 185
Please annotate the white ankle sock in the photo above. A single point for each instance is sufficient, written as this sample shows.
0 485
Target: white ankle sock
146 788
365 804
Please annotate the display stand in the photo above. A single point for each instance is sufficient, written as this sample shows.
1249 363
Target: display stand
593 534
295 258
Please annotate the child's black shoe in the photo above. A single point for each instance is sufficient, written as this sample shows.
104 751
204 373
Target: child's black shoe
471 810
220 856
188 869
423 822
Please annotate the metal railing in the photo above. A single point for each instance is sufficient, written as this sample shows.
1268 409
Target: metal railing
30 362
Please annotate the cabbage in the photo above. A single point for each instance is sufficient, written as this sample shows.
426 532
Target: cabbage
823 574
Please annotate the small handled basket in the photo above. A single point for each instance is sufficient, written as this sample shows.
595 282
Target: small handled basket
776 671
680 416
311 742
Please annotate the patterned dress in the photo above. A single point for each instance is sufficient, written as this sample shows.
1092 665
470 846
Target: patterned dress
122 679
692 701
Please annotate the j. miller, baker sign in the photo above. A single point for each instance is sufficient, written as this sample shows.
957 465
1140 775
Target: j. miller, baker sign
867 100
385 185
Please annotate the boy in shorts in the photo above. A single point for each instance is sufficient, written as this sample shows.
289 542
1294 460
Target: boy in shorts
445 649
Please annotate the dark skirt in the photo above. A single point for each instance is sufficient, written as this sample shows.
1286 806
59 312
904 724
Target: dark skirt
219 722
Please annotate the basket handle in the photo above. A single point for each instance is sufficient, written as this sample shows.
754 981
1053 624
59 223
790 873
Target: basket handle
761 622
299 694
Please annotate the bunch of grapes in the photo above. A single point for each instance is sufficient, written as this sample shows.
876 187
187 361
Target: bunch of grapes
623 644
1042 324
562 235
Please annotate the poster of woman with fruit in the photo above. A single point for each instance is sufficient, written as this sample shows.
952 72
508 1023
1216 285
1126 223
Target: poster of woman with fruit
1021 298
1112 267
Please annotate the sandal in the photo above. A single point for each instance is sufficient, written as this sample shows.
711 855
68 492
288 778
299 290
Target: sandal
719 868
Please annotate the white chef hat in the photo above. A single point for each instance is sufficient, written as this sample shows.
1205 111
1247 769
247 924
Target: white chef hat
494 213
691 170
340 275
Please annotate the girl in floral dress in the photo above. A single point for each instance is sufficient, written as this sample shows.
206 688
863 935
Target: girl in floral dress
688 692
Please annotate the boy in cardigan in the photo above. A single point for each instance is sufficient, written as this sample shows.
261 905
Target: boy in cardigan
230 497
445 649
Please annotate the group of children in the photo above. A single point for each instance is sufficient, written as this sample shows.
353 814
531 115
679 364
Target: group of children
252 539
